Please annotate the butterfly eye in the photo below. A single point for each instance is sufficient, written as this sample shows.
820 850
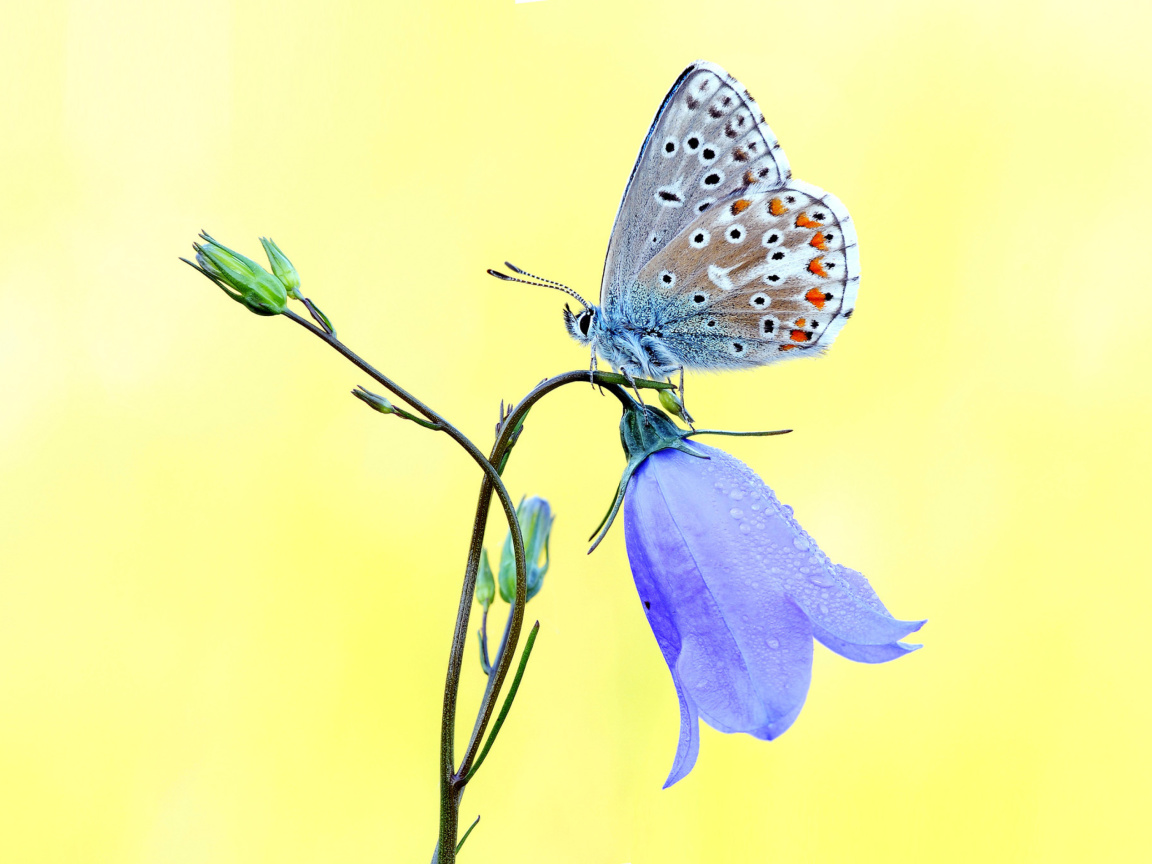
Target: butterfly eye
584 321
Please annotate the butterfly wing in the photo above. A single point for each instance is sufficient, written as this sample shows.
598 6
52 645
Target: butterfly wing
708 140
758 277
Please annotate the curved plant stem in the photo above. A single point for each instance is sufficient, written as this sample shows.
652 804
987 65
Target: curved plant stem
449 799
509 430
453 780
507 701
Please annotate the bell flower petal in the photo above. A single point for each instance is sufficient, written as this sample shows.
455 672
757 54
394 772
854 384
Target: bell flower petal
735 590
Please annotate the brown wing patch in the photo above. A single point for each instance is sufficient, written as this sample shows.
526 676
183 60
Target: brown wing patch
766 285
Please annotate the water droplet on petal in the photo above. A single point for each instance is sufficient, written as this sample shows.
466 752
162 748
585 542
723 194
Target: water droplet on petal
820 578
823 608
736 494
787 509
800 543
773 643
744 528
736 513
755 506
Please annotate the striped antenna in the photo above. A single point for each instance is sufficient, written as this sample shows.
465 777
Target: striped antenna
540 282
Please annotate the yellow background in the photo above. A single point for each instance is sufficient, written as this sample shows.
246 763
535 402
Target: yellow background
227 588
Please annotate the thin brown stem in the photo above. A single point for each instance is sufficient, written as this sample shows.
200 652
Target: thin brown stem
449 798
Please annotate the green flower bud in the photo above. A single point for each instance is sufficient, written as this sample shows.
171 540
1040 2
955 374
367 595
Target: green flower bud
373 400
535 518
282 267
671 403
239 277
485 583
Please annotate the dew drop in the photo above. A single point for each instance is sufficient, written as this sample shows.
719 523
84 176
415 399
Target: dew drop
744 529
787 509
800 543
736 513
736 494
755 506
823 609
821 578
773 643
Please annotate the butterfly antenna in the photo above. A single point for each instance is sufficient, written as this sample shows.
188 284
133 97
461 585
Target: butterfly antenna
540 282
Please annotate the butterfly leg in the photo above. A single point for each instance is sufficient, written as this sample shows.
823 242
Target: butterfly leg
632 383
592 367
683 403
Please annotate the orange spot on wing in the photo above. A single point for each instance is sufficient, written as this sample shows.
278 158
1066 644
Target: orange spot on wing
816 267
816 297
750 178
802 221
740 206
788 347
800 335
817 242
800 322
776 207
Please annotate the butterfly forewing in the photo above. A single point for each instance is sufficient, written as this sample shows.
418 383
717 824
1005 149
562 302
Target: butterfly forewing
708 140
756 277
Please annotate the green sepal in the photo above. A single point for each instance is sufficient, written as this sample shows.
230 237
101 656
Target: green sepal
645 430
239 277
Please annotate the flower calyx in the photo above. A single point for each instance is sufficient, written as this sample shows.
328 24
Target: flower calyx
645 430
240 277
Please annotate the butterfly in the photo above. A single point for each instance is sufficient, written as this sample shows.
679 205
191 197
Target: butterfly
718 259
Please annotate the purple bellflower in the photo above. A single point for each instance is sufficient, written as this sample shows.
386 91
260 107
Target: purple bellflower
734 589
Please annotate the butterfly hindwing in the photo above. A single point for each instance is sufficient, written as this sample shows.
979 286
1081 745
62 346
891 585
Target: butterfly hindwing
757 277
707 141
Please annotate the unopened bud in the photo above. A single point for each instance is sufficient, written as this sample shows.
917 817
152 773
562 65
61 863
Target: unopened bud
535 518
373 400
671 402
240 277
282 267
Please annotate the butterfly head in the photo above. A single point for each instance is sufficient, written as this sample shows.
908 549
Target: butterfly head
581 325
